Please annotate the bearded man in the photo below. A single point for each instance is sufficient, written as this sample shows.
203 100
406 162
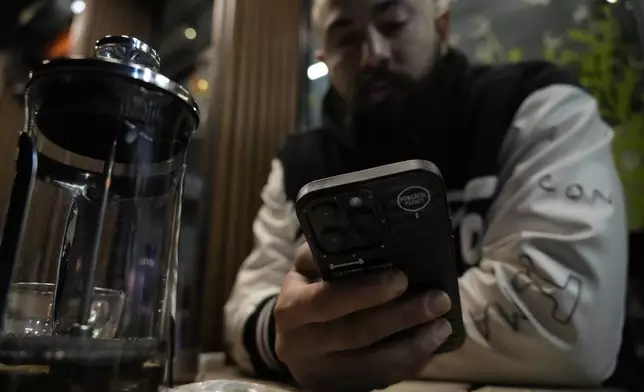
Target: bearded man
537 205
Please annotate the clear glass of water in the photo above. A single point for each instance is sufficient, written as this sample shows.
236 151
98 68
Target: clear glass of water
30 311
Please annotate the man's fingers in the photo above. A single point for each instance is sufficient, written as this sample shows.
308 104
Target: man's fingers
305 263
388 362
364 328
305 303
403 359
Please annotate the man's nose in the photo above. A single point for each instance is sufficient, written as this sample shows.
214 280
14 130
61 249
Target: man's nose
376 49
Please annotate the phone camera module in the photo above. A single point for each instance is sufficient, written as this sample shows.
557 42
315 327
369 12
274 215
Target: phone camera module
333 240
356 202
325 214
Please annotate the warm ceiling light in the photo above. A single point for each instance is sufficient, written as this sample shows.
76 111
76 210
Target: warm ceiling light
190 33
317 71
78 6
202 85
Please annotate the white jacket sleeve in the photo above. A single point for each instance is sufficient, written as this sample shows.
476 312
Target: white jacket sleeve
248 312
546 303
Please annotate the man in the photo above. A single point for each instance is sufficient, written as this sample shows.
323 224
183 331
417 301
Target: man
537 207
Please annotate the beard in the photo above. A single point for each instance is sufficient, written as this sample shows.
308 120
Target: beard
385 126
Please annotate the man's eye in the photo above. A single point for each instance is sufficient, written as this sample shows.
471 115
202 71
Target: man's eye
392 28
350 39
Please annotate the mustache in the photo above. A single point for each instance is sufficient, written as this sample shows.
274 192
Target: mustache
360 107
369 77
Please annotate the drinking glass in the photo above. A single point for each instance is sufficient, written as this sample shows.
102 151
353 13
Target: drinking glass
30 311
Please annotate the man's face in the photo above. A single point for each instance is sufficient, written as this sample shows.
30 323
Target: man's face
376 48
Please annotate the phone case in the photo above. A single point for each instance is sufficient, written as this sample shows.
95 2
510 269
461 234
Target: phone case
393 216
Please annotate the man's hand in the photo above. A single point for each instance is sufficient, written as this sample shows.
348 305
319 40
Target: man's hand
332 336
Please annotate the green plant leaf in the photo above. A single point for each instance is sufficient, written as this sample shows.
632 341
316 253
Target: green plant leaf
608 12
587 67
550 54
587 82
581 36
515 55
632 131
568 57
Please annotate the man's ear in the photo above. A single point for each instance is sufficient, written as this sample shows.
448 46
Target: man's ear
442 26
319 55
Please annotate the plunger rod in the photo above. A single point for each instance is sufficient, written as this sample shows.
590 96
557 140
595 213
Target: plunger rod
90 271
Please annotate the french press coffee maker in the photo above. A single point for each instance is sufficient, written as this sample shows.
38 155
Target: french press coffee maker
89 248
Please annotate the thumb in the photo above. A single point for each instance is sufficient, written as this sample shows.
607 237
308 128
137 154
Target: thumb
305 264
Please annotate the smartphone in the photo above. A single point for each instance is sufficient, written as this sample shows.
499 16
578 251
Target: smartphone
393 216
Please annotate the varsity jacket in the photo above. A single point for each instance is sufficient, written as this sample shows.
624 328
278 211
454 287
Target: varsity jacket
538 218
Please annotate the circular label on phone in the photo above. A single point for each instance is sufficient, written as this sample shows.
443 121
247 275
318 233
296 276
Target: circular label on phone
414 199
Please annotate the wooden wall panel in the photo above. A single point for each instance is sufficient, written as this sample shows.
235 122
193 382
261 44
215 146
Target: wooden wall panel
254 107
109 17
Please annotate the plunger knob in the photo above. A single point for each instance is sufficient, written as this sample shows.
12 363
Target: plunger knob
127 50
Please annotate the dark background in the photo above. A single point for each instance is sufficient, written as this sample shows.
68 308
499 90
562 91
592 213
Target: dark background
29 25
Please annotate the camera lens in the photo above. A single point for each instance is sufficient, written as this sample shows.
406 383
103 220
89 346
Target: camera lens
333 240
368 226
355 202
325 214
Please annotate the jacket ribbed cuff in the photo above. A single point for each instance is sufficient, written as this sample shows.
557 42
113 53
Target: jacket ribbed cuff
259 341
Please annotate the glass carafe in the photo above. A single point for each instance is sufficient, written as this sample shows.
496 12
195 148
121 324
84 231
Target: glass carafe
89 249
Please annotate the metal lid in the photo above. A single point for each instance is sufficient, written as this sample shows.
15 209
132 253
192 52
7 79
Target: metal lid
85 104
121 56
127 50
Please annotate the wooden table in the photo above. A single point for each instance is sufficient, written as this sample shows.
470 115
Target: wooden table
212 368
227 373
